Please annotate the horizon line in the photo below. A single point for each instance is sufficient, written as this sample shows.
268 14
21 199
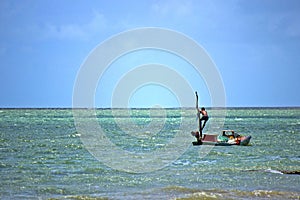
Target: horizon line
208 107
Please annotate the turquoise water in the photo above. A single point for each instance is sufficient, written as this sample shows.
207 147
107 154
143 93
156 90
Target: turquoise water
43 156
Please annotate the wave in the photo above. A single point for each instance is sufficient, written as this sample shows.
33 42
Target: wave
173 192
274 171
191 194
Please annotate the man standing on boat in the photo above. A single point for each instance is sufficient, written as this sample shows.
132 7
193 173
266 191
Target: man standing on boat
204 117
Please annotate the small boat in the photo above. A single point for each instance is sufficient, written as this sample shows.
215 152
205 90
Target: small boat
227 138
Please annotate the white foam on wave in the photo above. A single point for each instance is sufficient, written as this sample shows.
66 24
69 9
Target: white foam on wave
273 171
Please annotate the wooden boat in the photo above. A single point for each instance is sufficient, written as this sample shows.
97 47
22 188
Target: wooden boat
227 138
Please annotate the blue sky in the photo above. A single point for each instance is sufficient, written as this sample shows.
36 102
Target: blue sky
254 44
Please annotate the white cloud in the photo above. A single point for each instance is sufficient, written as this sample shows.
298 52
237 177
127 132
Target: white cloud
76 31
293 27
173 7
64 31
2 51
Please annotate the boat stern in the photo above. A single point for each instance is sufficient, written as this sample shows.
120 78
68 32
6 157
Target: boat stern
245 140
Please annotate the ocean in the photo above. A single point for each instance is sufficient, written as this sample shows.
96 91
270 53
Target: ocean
147 154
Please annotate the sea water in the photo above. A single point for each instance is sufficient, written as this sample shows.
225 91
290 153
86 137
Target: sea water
43 156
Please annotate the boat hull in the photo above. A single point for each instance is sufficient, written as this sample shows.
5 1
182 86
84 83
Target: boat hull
216 140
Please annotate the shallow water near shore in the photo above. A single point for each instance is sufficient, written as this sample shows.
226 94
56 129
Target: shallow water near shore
43 157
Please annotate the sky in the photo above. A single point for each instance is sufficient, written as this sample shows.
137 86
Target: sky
254 44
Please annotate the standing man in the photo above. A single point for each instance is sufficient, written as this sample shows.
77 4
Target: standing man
204 117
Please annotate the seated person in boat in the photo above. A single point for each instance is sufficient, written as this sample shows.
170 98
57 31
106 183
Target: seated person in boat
231 134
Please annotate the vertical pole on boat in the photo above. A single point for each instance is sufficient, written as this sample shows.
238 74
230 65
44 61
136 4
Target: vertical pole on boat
198 116
200 127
